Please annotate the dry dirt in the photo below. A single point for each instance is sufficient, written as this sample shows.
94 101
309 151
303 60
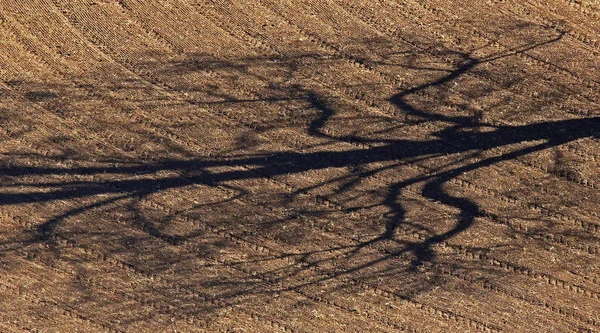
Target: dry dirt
299 166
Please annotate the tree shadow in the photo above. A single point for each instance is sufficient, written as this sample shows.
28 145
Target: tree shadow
239 173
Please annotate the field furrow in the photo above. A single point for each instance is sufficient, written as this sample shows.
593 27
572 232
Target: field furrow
299 166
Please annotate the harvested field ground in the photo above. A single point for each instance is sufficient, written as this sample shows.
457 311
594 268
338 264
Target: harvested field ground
299 166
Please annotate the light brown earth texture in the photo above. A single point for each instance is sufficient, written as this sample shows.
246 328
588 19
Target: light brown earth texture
299 166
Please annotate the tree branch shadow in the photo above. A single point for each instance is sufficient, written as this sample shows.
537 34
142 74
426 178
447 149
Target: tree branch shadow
368 158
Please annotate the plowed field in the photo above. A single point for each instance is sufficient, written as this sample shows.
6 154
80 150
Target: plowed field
299 166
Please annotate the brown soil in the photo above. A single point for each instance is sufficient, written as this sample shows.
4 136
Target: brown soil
301 166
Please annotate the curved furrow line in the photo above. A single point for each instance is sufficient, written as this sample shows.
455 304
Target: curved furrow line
148 30
181 31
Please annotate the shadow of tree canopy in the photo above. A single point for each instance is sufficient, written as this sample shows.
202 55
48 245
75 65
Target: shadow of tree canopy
367 187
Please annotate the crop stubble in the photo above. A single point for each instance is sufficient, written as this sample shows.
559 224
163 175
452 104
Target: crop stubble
299 166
